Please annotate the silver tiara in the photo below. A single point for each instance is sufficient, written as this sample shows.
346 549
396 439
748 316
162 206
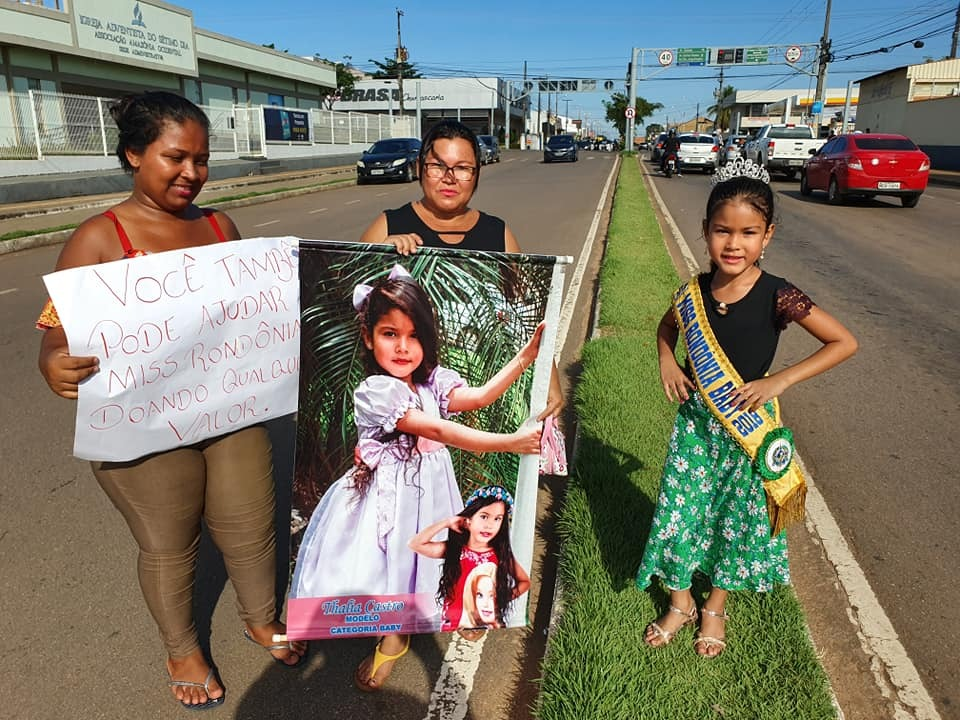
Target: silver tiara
740 167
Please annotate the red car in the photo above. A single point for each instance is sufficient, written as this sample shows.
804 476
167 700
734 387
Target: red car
867 164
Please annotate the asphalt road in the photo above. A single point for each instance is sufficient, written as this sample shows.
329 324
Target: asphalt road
877 432
76 639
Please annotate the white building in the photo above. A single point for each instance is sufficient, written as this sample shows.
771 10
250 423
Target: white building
111 47
919 101
482 103
750 109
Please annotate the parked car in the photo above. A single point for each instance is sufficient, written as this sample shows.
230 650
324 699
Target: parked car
865 165
391 159
656 154
732 149
697 150
559 148
491 147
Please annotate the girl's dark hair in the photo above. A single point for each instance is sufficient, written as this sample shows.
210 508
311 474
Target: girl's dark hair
408 297
752 191
506 577
450 130
140 119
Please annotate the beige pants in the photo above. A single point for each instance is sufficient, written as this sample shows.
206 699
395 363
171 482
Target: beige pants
227 482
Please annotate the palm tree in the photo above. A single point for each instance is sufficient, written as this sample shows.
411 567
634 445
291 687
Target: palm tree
721 111
487 307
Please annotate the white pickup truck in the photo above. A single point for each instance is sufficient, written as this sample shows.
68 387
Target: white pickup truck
782 147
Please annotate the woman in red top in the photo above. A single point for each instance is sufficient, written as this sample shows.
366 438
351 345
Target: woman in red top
225 481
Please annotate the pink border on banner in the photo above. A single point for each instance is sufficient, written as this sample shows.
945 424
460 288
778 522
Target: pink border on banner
344 616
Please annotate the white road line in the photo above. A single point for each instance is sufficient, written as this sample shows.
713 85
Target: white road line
318 210
566 311
8 290
269 222
448 701
382 194
455 683
893 670
351 202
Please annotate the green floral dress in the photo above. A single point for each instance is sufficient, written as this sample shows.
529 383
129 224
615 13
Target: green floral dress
711 515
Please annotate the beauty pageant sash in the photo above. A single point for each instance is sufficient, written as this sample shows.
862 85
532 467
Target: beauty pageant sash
758 432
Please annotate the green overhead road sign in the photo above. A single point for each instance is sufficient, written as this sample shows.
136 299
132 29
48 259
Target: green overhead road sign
759 55
691 56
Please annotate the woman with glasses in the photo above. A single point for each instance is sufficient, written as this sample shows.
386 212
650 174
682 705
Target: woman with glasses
449 170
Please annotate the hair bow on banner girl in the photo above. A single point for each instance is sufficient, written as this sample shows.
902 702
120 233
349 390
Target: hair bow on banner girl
362 291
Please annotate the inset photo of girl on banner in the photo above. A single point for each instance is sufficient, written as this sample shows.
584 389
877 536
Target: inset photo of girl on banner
415 483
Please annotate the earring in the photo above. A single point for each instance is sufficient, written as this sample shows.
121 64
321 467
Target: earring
761 254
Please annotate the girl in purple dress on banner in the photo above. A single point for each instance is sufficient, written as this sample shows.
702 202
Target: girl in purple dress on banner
356 541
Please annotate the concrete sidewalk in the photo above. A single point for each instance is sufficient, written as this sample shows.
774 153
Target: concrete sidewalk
39 219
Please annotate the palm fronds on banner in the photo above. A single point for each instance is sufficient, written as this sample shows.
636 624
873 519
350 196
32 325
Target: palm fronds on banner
487 305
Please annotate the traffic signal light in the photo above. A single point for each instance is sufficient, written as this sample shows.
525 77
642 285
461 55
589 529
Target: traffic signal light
729 56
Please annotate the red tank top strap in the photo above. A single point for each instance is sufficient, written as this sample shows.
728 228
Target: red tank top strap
208 214
128 250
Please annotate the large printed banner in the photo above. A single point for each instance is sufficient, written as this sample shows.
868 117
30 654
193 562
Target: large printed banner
365 492
192 344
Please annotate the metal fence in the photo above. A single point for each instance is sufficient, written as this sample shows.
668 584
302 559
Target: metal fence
37 124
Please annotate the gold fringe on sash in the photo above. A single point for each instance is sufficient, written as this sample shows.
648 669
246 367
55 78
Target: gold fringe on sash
786 499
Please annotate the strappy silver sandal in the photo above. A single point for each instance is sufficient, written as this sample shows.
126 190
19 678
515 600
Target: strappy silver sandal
665 636
211 702
708 642
277 647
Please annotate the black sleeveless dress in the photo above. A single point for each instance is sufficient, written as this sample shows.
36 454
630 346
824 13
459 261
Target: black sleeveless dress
488 234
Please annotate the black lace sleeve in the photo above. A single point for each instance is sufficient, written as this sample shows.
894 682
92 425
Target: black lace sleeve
792 304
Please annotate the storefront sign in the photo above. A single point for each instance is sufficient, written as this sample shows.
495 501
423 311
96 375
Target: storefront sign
136 33
434 94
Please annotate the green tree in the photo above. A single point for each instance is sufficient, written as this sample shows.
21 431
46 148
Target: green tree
616 106
721 113
345 82
654 129
388 69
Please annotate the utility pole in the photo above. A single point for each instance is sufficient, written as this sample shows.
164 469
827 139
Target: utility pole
716 120
539 118
401 58
822 70
631 99
956 34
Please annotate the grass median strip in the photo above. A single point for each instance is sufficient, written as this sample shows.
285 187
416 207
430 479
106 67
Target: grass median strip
597 665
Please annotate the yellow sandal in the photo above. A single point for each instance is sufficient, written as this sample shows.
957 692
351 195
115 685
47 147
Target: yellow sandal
379 658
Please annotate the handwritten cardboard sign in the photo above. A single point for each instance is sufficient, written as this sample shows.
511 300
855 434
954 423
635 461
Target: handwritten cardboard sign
192 344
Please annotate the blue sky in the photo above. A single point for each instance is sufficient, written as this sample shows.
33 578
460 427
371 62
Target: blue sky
567 39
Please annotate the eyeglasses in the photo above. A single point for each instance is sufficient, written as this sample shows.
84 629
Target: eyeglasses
437 170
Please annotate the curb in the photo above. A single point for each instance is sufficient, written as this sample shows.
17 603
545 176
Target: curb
59 236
